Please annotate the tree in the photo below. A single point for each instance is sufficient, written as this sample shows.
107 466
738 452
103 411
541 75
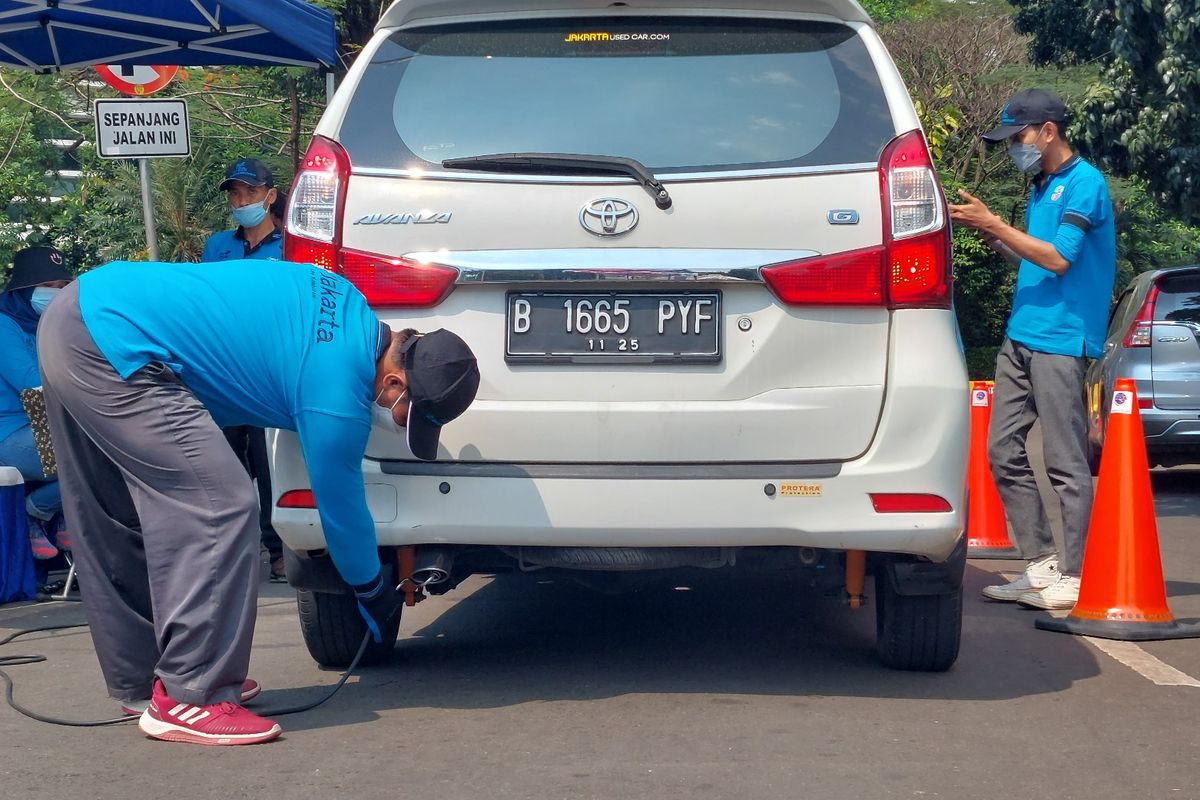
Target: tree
1139 117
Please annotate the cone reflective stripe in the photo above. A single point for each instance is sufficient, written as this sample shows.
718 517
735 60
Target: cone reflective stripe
1121 590
987 533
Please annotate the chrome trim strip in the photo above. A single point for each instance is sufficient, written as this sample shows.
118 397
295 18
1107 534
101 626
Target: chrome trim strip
660 472
609 264
674 177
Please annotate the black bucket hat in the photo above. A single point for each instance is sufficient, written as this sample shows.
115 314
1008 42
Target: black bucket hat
443 377
36 265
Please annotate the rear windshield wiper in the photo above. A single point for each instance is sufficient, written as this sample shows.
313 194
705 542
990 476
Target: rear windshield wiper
535 162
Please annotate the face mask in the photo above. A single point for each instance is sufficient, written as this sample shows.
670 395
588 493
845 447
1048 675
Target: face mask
249 215
1026 157
41 298
383 416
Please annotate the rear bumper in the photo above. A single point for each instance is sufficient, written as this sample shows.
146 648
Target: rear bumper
642 513
920 447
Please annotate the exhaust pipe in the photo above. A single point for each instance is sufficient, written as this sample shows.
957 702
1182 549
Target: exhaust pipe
432 565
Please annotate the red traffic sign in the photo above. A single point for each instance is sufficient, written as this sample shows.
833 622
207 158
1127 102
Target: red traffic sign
139 80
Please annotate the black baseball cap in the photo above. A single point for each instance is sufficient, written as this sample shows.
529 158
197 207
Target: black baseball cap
1027 107
249 171
35 265
443 377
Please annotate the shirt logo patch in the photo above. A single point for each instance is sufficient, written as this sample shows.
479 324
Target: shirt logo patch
1058 192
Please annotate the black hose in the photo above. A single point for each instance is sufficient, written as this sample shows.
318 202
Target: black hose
16 661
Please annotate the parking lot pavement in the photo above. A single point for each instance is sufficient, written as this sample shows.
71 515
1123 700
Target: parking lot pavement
695 685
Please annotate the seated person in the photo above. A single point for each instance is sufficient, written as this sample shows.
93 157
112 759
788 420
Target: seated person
37 274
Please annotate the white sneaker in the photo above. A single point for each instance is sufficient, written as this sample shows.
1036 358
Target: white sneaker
1062 594
1038 575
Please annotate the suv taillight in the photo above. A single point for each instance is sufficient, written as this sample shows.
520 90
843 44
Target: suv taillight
911 269
314 236
314 216
1141 329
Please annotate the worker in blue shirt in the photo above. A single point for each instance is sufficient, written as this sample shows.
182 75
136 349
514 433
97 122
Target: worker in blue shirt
1066 264
37 276
141 362
253 196
250 188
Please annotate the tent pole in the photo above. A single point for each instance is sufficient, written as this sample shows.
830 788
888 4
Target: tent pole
329 87
148 209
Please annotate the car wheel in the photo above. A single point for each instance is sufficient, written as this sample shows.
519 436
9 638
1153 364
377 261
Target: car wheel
916 632
333 630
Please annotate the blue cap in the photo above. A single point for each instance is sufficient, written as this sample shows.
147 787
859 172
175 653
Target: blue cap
249 171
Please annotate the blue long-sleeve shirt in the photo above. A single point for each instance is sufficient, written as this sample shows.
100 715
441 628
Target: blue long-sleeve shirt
273 344
18 370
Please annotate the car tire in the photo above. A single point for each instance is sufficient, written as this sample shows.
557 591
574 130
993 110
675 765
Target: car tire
916 632
333 630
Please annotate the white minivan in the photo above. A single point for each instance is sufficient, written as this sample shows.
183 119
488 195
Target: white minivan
701 252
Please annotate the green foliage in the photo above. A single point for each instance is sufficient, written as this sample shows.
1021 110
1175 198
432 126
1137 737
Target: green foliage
1138 118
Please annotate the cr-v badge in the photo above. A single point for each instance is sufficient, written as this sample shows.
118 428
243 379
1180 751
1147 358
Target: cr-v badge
608 216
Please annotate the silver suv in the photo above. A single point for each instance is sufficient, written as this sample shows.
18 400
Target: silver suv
703 257
1154 338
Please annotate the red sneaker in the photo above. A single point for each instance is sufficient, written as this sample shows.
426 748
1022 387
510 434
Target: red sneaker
217 724
63 540
135 708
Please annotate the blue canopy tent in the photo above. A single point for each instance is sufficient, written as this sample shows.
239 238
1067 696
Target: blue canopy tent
51 35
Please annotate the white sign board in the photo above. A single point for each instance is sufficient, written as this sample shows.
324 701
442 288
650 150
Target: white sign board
142 129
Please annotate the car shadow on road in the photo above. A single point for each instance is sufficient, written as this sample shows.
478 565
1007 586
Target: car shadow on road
1175 491
518 639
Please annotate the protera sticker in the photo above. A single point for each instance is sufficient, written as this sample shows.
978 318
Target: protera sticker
800 490
1122 403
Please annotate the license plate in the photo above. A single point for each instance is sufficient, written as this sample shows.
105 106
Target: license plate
612 327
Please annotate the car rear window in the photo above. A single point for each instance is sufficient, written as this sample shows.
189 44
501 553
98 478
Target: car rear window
1178 298
677 94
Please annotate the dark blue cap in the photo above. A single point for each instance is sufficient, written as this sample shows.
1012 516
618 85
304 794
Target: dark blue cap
1027 107
249 171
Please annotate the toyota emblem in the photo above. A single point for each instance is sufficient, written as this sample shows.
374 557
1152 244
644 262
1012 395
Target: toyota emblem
608 216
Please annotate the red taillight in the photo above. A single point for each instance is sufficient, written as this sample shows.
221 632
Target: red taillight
912 267
910 504
314 236
1141 330
297 498
853 278
314 215
915 234
388 281
1145 402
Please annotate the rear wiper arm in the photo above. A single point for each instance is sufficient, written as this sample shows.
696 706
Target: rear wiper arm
534 162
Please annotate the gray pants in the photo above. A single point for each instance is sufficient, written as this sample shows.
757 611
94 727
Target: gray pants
1049 388
164 518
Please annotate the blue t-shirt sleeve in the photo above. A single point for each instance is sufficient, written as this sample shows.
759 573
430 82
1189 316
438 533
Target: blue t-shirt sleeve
333 451
18 364
1086 206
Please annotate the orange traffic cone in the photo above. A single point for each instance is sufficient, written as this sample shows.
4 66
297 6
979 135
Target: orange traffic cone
987 533
1121 590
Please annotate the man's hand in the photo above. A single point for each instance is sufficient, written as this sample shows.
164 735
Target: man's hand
973 213
378 602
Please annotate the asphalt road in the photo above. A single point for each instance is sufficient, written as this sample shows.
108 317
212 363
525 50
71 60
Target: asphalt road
698 685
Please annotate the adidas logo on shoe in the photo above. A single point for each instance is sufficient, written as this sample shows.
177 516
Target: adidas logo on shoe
221 724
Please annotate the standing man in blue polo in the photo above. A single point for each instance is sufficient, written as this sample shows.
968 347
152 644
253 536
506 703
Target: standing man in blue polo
251 190
1066 263
250 187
